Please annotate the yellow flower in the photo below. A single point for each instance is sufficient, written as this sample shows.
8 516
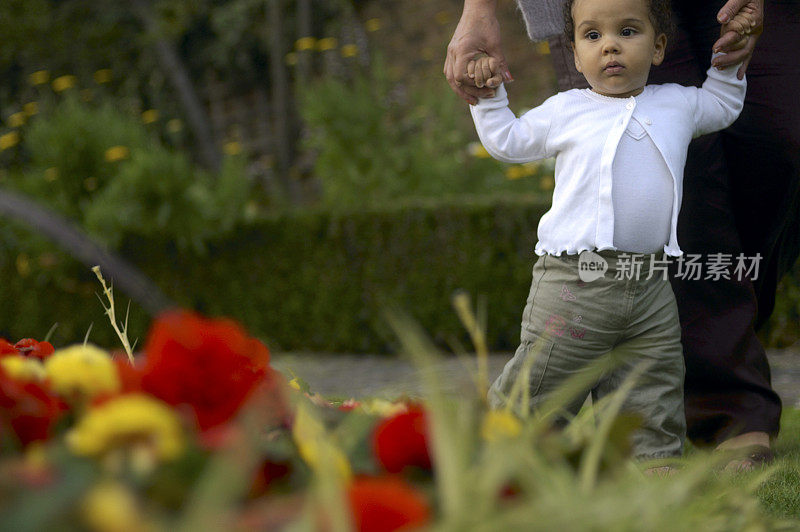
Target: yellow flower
232 148
174 125
373 24
84 371
31 108
39 78
383 408
103 75
294 384
17 119
128 421
305 43
547 183
51 174
500 425
543 47
316 448
9 140
328 43
477 150
110 507
150 116
23 265
349 50
23 368
63 83
117 153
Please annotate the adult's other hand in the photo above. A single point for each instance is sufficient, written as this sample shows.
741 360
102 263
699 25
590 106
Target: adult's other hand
738 42
478 32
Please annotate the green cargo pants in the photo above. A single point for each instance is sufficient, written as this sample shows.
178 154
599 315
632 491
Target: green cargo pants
568 323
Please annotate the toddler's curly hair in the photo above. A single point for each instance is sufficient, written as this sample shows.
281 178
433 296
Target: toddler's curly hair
660 17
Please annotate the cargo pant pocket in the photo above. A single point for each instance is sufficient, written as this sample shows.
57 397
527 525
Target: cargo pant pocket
522 375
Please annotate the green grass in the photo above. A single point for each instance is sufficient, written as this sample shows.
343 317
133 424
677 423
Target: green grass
780 494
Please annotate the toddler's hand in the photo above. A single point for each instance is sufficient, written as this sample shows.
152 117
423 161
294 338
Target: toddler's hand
485 71
744 22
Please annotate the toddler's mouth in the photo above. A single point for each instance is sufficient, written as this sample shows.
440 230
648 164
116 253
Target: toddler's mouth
613 68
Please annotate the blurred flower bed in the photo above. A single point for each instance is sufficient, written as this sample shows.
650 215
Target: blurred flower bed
199 432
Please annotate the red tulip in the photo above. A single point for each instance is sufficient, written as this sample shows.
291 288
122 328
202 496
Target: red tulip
210 365
27 409
385 504
401 441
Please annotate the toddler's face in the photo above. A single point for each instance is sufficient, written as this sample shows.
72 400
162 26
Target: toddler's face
615 44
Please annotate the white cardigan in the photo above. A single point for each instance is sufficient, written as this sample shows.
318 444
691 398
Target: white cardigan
582 129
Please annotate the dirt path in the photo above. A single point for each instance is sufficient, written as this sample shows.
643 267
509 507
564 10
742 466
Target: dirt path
341 376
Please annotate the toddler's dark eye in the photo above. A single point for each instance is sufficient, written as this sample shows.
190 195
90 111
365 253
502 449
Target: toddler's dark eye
593 35
627 32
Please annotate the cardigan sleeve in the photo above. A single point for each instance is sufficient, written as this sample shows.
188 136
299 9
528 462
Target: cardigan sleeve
718 102
511 139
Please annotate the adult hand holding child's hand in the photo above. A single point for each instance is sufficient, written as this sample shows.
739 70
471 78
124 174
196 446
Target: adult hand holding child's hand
478 32
742 23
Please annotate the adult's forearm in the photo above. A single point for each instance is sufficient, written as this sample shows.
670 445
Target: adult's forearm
480 6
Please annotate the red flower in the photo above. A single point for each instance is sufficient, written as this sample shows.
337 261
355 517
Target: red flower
27 409
210 365
402 441
33 348
6 348
384 504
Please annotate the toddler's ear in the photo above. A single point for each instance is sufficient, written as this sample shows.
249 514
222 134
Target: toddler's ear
659 48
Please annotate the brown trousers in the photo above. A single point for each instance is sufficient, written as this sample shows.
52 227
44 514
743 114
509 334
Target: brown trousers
741 195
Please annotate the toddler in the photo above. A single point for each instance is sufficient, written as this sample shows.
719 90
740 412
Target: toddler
620 149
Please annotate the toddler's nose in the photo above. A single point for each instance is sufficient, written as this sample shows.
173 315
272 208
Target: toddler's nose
610 46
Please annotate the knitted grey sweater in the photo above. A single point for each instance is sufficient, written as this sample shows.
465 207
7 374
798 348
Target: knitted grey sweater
543 18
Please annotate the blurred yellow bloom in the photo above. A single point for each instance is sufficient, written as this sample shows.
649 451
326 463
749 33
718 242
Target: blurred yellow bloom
83 371
51 174
109 506
9 140
39 78
117 153
515 172
103 75
305 43
547 183
23 368
31 108
174 125
128 421
315 447
477 150
63 83
543 47
17 119
373 24
150 116
383 408
500 425
23 265
232 148
291 59
442 17
349 50
294 384
328 43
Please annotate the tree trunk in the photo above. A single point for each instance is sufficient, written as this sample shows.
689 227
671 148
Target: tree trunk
175 70
281 112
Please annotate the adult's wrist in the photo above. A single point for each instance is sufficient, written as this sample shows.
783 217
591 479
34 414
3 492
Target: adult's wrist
480 6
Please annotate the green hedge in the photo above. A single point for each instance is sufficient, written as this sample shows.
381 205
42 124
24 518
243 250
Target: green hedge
309 280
